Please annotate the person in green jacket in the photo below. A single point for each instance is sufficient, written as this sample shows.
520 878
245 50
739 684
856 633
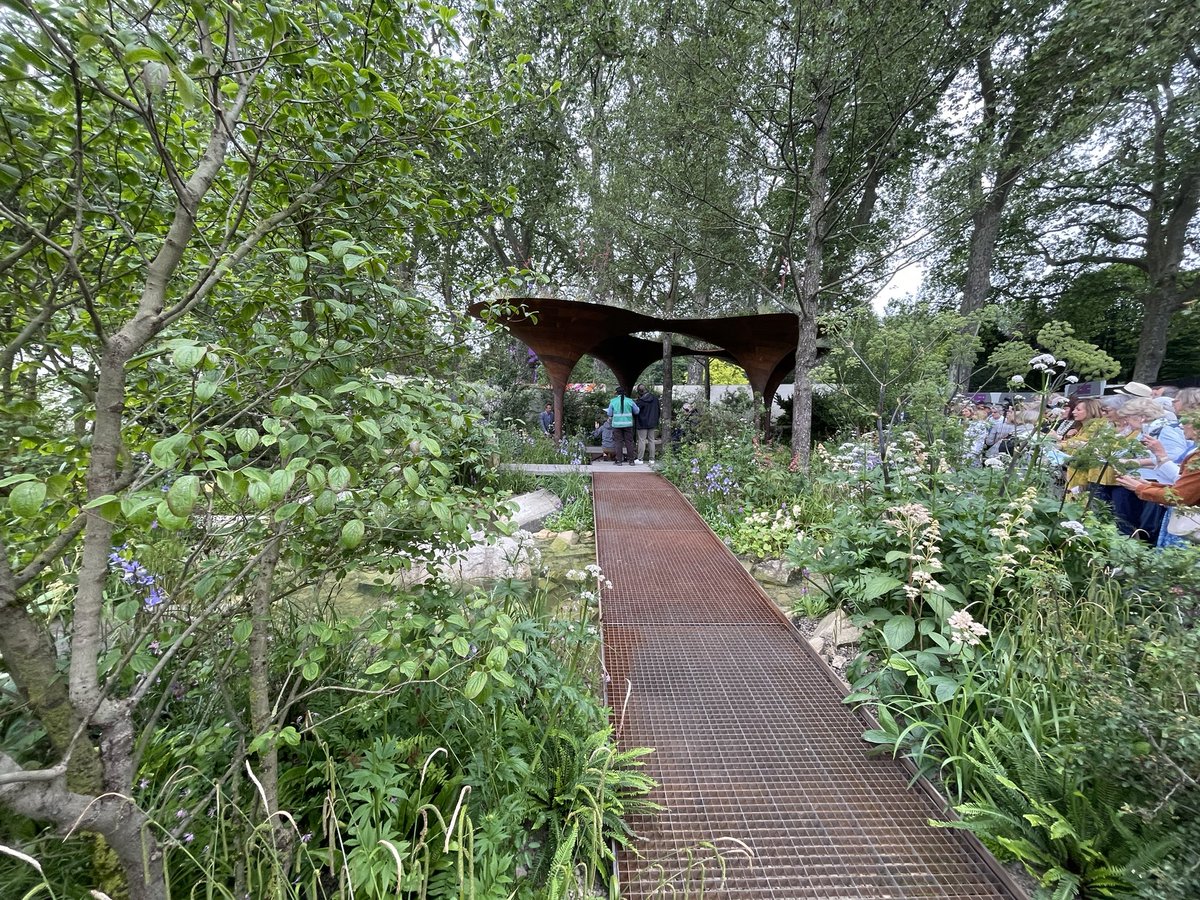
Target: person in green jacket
622 410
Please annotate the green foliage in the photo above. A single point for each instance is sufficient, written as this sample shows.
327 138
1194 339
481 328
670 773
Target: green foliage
1088 360
764 534
898 364
583 788
728 475
721 372
1070 831
575 491
999 618
439 737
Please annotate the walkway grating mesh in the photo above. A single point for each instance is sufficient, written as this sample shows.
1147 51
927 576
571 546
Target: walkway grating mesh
767 785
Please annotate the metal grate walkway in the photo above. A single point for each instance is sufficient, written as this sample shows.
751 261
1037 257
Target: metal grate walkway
768 788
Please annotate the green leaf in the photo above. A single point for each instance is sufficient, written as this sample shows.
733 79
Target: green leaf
877 584
139 509
475 684
188 357
325 503
163 453
26 499
127 609
352 534
498 658
281 482
241 631
182 496
310 671
260 494
898 631
369 428
102 500
944 687
928 662
247 439
339 478
875 736
168 519
380 665
461 646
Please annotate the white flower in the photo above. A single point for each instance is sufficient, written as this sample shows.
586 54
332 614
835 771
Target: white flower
1017 379
1072 379
964 628
1077 527
994 462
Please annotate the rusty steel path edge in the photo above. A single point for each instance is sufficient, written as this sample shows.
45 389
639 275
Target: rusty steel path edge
767 787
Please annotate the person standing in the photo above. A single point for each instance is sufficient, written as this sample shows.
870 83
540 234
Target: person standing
646 422
547 419
622 410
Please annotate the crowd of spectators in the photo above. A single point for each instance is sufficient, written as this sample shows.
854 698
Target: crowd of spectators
1134 451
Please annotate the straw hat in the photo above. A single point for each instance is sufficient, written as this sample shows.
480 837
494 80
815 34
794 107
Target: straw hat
1135 389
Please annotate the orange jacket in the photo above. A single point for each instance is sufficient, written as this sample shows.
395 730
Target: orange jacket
1184 492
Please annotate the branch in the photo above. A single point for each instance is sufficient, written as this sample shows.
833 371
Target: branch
265 227
85 288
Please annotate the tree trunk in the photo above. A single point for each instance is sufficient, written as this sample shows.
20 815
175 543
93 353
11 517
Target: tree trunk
668 384
29 658
1160 308
985 226
808 288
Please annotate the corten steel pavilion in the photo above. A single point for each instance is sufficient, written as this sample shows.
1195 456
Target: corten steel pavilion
561 332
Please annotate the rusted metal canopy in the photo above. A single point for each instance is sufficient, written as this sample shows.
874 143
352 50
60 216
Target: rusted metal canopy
561 332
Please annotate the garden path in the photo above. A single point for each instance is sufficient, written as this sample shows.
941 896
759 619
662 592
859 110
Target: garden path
768 788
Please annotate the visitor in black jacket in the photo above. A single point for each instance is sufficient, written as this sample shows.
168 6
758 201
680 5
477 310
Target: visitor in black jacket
646 421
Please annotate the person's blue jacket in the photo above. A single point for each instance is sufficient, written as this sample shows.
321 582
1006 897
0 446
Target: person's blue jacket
604 432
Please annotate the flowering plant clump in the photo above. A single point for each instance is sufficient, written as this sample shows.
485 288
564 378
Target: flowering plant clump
765 534
964 629
134 574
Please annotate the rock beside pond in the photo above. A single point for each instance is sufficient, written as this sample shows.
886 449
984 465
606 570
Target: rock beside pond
563 540
837 630
774 571
505 558
534 508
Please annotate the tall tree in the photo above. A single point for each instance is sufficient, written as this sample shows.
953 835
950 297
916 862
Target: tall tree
1132 198
175 185
840 101
1042 75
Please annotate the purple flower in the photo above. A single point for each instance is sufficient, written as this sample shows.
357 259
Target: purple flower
188 838
154 598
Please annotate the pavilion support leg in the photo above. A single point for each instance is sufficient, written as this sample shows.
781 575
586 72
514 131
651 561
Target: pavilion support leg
559 373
